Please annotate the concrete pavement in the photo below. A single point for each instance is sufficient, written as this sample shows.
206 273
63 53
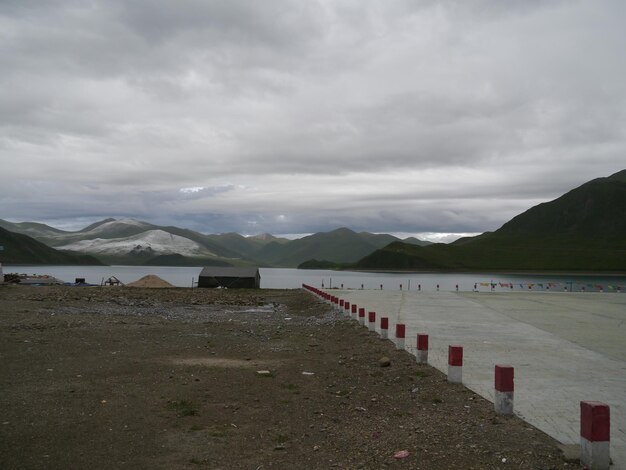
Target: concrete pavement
565 347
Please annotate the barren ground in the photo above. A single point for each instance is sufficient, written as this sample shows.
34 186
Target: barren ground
106 378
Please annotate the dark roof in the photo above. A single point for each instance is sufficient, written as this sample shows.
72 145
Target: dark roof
219 271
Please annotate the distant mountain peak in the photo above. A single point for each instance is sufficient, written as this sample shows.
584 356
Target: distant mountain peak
263 236
343 230
97 224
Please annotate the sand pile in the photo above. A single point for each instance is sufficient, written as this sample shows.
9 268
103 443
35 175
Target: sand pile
150 281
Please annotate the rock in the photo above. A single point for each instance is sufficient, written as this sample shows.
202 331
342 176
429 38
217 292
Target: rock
401 454
384 361
571 452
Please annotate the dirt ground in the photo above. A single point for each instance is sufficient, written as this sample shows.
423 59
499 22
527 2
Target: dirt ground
108 378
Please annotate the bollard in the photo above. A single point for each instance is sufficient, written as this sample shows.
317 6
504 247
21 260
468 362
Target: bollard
354 312
346 308
400 330
455 364
595 429
341 304
362 316
371 321
422 349
503 397
384 327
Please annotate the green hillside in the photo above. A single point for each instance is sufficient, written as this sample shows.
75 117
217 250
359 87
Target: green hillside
594 211
339 246
583 230
32 229
245 247
497 254
416 241
22 249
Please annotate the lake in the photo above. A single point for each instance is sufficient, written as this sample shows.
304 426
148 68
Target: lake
279 278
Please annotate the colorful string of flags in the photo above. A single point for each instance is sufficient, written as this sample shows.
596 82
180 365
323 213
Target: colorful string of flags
575 286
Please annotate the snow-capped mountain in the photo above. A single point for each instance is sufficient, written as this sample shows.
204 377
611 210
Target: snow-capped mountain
153 242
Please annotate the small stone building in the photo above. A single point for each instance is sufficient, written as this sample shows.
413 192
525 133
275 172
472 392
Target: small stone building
231 278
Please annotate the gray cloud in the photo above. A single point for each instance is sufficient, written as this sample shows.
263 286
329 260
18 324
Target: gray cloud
303 116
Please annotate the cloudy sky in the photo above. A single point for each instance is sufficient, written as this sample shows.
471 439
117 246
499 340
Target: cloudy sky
298 116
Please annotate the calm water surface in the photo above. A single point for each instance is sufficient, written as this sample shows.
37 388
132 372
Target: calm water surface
278 278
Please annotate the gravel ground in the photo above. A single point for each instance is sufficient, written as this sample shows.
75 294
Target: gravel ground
169 378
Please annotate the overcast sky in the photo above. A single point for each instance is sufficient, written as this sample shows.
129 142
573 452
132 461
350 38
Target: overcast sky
288 116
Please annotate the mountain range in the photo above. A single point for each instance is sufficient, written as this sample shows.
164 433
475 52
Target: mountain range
583 230
134 242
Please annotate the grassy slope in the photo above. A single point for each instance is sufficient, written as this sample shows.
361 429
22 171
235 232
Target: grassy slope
497 253
341 246
22 249
584 229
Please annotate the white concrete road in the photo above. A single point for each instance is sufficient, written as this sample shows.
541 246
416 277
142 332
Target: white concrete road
565 347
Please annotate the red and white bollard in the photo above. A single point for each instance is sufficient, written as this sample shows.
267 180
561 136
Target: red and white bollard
455 364
503 397
371 321
595 430
362 316
354 313
346 308
400 331
422 349
384 328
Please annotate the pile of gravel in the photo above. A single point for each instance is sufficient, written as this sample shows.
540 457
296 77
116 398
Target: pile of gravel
150 281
